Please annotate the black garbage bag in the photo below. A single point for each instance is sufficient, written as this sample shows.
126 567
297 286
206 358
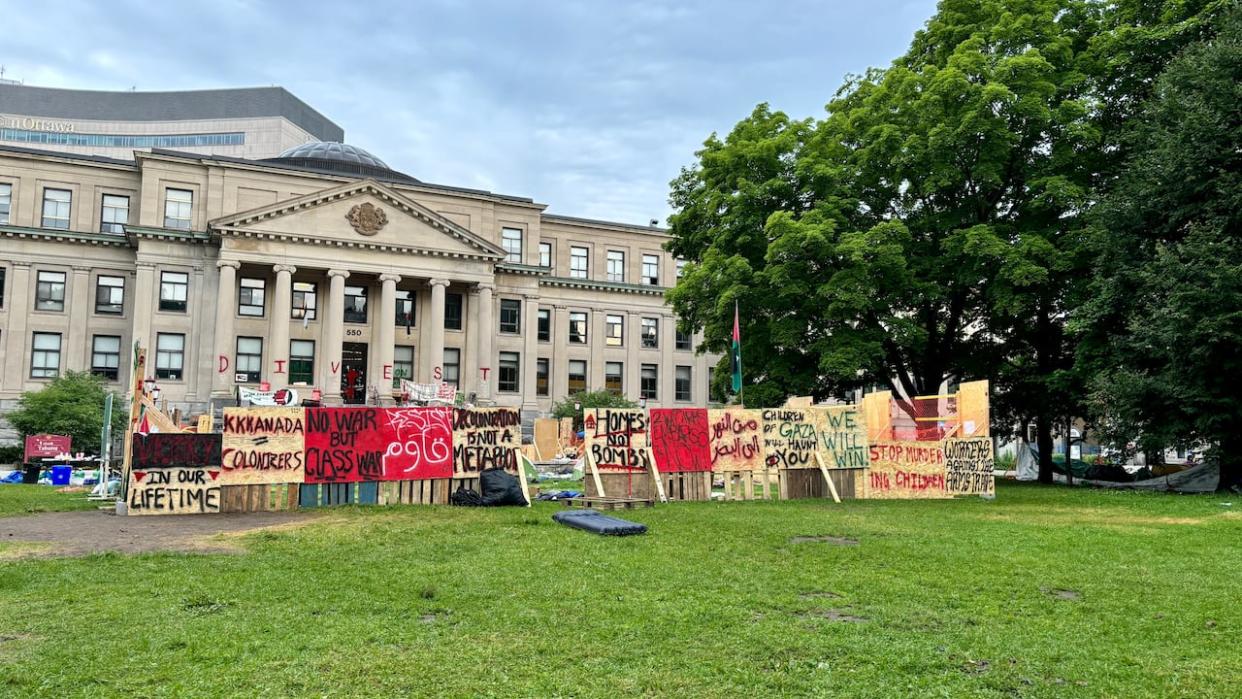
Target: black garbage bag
500 488
465 497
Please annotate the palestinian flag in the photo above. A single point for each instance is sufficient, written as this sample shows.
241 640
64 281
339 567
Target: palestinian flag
737 351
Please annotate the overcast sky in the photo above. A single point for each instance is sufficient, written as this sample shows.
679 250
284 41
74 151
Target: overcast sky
588 107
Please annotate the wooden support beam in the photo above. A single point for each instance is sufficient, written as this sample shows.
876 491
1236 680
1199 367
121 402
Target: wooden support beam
599 484
832 488
521 462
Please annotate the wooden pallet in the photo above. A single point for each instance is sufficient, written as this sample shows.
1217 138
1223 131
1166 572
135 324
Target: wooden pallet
266 497
809 483
751 485
608 503
423 492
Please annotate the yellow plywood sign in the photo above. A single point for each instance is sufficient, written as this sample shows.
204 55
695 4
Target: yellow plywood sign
736 440
789 438
485 438
617 438
968 466
841 436
906 470
174 491
264 445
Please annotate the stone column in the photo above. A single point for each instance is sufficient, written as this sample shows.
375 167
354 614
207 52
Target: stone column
385 340
668 367
435 346
560 352
79 299
18 343
144 311
530 350
222 386
633 339
487 367
333 335
278 334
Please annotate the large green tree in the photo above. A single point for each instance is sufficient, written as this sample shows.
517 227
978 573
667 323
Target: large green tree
72 404
1162 330
885 238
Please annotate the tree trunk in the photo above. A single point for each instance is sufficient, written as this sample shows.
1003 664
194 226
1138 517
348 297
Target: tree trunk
1043 443
1230 459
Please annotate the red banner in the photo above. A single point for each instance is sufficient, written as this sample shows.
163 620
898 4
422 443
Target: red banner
345 445
680 440
41 445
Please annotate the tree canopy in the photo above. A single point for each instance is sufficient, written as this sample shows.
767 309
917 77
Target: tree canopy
71 404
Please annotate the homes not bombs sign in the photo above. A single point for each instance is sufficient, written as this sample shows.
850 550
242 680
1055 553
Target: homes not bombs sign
617 438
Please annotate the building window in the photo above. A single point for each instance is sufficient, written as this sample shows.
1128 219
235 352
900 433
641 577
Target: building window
614 326
651 333
577 375
106 356
508 378
45 356
681 268
545 254
169 355
649 381
109 295
250 299
50 291
579 262
6 202
541 377
511 241
616 266
402 364
405 308
355 304
578 327
651 269
302 362
304 301
178 205
56 205
681 384
452 311
2 280
614 377
711 384
174 289
249 365
452 366
115 214
545 325
683 340
510 316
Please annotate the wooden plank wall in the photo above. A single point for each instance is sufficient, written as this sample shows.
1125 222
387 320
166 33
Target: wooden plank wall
266 497
809 483
677 486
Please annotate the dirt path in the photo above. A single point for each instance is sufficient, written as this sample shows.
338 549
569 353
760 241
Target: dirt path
81 533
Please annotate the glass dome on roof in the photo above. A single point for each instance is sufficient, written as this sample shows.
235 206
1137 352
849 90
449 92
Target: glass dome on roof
330 156
331 150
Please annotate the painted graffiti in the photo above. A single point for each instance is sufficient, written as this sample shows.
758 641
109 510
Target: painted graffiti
263 445
485 438
165 450
680 440
789 438
842 436
968 466
617 438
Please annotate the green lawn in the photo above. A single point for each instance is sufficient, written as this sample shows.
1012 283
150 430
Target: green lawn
25 499
1042 593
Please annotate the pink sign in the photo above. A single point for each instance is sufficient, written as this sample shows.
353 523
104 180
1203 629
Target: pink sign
41 445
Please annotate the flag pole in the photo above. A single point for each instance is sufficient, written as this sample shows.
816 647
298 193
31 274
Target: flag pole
737 356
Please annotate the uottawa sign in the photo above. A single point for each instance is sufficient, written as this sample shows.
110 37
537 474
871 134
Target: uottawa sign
42 445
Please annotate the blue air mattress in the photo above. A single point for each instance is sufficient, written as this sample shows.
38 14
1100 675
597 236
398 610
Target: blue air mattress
594 521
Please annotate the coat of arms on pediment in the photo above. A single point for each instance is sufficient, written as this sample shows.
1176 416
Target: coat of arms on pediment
367 218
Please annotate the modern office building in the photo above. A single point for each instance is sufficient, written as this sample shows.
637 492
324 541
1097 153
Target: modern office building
252 123
323 267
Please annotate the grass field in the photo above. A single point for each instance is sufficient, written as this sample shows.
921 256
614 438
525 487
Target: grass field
28 499
1042 593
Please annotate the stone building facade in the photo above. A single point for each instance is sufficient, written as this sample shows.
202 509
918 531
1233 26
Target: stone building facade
324 270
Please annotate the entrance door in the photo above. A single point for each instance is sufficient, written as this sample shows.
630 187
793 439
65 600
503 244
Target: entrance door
354 373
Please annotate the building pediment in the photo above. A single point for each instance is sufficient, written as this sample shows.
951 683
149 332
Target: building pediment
362 214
